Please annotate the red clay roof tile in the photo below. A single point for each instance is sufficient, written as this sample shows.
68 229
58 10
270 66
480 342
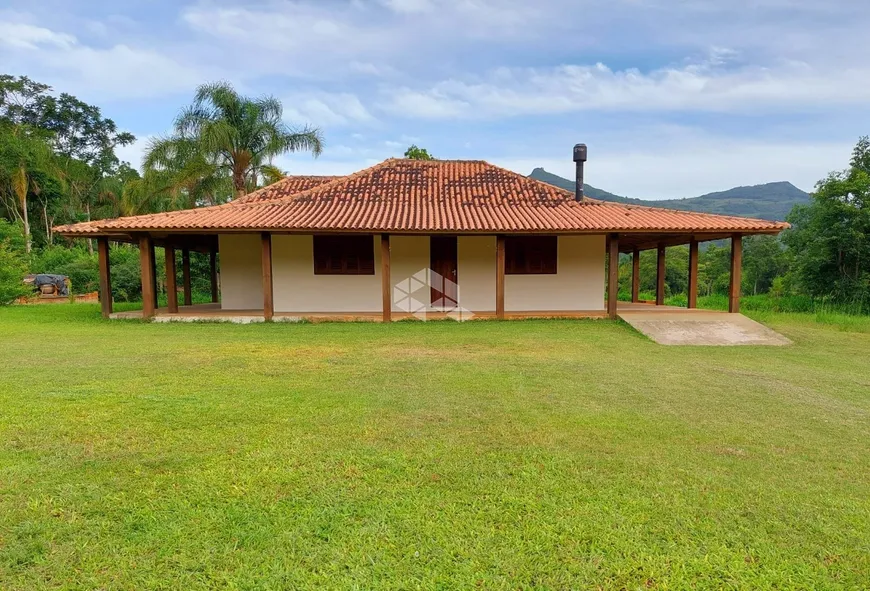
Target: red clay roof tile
440 196
289 185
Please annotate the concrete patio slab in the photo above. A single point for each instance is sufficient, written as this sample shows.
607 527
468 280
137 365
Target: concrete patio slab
700 327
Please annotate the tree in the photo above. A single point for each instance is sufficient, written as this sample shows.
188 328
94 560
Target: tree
830 237
13 263
236 135
415 153
25 159
22 100
180 171
82 142
763 261
271 174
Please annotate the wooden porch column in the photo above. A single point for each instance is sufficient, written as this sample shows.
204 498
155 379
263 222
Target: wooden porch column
693 274
386 282
660 276
154 276
185 276
171 287
635 276
212 262
268 296
736 273
499 277
105 277
613 275
146 264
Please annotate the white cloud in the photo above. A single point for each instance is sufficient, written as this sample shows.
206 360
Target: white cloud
118 71
409 6
25 36
710 85
326 109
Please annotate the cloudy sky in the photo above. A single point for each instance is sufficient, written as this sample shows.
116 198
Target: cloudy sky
674 97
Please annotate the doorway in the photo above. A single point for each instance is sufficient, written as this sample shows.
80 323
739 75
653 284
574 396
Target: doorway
443 281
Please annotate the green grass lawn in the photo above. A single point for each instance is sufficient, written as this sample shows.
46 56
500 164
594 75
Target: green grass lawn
498 455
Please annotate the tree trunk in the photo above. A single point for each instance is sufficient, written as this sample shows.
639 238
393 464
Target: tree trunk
89 241
239 182
48 234
25 218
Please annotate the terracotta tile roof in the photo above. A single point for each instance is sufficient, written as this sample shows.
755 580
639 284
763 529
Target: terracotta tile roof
446 196
287 186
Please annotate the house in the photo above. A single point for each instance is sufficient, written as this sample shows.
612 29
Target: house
408 237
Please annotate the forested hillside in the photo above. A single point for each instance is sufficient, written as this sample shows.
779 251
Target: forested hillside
771 201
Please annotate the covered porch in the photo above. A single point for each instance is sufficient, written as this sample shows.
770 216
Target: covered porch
482 263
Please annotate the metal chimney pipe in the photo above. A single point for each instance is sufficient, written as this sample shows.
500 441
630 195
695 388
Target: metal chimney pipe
579 159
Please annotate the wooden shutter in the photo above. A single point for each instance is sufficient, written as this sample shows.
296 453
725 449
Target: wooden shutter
530 255
344 255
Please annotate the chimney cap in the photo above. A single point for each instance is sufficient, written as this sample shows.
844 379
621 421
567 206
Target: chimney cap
580 153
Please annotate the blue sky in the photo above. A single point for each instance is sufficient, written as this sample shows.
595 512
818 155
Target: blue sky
674 98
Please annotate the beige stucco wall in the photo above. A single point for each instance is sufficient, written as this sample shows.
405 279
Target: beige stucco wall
578 285
298 289
241 272
476 273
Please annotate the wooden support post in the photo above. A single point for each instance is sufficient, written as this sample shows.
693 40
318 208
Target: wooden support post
185 276
154 276
736 273
146 265
386 282
268 296
171 286
635 276
212 263
499 277
693 274
105 277
660 276
612 275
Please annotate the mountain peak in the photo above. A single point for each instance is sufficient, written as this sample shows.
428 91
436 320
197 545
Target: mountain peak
769 201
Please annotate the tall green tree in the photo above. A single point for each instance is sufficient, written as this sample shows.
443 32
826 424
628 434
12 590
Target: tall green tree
234 134
25 161
415 153
82 142
183 175
764 259
830 237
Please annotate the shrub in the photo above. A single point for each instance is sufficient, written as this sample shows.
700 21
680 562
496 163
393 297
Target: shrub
76 263
13 263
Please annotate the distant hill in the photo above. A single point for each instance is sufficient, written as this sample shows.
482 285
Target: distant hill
771 201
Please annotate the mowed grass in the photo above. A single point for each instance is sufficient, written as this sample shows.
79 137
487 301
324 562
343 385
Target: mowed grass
496 455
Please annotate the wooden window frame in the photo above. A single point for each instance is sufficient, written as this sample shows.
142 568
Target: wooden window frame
531 255
344 254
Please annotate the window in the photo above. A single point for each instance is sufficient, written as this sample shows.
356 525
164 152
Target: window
344 255
530 255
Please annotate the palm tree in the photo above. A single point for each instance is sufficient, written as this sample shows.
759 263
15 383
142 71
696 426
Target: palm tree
177 168
234 134
271 174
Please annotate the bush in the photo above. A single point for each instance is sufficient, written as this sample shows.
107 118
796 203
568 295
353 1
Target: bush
76 263
13 263
126 278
